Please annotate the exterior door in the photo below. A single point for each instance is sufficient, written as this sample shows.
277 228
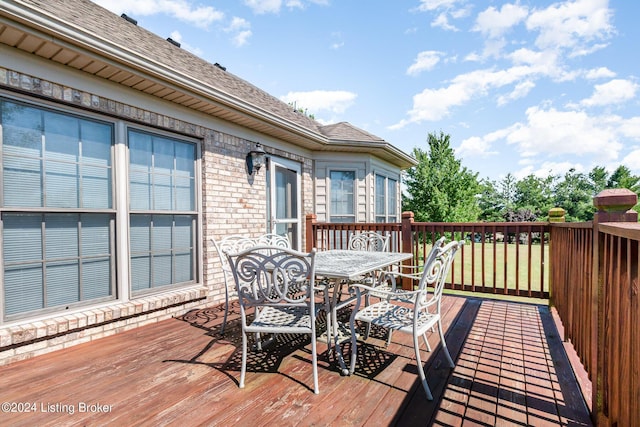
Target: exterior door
284 200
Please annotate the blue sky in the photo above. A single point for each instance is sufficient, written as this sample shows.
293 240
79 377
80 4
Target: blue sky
522 87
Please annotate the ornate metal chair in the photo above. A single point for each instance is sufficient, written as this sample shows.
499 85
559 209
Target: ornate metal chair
368 241
277 285
413 311
390 281
235 244
272 239
231 244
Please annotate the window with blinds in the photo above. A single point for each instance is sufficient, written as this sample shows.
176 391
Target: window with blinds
163 211
56 210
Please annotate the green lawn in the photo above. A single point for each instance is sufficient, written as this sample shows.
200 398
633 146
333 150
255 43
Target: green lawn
471 257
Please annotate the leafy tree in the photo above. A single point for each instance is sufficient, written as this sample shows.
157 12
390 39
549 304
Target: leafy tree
575 195
439 188
599 178
622 178
534 194
490 202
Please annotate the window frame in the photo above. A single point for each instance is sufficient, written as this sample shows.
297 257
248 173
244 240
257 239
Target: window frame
154 212
386 216
45 210
354 206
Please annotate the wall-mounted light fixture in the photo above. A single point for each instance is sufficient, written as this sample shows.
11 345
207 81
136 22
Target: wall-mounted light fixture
256 159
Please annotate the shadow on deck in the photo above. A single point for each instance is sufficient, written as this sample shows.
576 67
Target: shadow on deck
511 369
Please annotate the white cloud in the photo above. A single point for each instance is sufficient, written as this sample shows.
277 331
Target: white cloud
427 5
442 21
613 92
200 16
554 133
630 128
545 169
632 161
436 104
521 90
336 101
425 61
260 7
480 146
599 73
493 23
572 25
240 28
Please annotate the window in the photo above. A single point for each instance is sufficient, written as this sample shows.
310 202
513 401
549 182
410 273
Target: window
163 215
59 221
386 199
57 216
342 195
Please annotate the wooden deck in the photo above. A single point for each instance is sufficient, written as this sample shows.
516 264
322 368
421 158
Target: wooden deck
511 369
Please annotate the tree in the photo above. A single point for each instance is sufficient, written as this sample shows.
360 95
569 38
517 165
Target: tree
534 195
575 195
439 188
490 202
599 178
622 178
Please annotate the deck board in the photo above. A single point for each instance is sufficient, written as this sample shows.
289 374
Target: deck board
511 369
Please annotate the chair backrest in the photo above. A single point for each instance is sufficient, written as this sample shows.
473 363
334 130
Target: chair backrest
231 244
269 275
436 271
434 251
368 241
272 239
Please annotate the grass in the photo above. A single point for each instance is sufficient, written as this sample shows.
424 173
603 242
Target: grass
507 259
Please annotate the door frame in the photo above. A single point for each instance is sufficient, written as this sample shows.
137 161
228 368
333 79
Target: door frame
296 167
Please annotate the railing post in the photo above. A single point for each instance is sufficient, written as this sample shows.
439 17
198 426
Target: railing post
310 220
556 215
407 244
614 205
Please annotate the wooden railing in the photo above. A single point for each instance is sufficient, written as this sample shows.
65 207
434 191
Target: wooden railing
618 349
595 274
572 294
505 258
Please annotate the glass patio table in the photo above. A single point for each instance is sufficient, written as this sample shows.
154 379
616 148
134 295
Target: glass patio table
345 266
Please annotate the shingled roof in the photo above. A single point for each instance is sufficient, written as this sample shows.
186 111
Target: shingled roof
95 40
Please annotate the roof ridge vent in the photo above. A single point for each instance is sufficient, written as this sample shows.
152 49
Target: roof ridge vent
128 18
173 42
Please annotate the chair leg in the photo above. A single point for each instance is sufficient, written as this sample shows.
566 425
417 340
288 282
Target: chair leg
423 377
327 310
314 363
367 330
258 341
426 341
243 368
444 345
226 309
